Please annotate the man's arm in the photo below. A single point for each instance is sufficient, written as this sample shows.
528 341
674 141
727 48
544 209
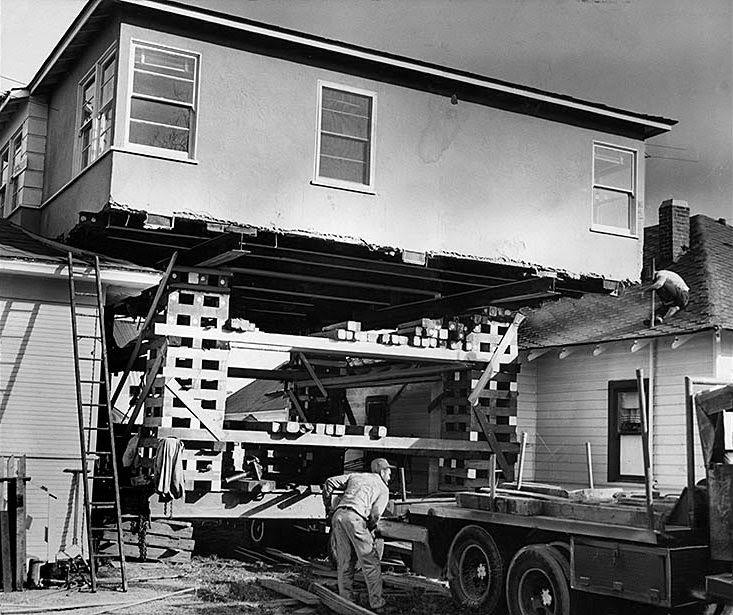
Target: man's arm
657 283
333 484
377 509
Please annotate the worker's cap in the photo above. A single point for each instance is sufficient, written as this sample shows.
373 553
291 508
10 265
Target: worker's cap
379 464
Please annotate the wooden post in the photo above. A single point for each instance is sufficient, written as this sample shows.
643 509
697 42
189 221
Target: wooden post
492 479
645 448
17 509
690 444
652 315
522 454
589 459
402 483
6 568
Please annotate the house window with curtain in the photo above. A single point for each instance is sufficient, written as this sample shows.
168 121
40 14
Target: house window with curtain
625 452
345 140
614 190
96 110
163 100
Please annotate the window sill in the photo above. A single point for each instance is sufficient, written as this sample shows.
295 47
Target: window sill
612 230
348 187
154 153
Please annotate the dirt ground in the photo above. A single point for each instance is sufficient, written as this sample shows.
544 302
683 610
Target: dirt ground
219 586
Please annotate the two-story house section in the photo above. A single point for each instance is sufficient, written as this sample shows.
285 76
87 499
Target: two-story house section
169 110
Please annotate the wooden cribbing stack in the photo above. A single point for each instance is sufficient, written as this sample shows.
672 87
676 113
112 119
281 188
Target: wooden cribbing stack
191 372
12 523
493 416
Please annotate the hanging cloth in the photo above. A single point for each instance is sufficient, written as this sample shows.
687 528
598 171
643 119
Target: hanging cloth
169 469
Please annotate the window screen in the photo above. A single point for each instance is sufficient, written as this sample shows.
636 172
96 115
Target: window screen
162 106
614 180
345 136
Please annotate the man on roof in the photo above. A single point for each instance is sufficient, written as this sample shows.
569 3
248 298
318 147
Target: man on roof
354 520
673 293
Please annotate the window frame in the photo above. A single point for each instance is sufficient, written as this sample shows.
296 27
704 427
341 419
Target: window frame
95 75
162 152
5 178
330 182
633 229
15 170
614 442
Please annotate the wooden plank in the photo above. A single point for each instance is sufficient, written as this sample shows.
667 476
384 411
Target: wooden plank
259 340
6 558
460 302
192 405
291 591
504 464
336 603
509 337
19 523
150 376
152 540
418 447
170 529
154 553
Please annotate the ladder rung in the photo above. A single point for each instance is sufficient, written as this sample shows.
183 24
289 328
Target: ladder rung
86 403
106 555
90 381
89 359
99 453
96 428
101 478
86 316
102 504
103 528
88 337
78 294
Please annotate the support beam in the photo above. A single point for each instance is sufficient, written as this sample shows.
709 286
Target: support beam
639 344
536 354
532 288
566 352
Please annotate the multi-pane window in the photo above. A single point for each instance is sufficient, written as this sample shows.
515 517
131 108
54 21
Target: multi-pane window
4 179
614 189
625 452
96 110
163 98
18 150
345 136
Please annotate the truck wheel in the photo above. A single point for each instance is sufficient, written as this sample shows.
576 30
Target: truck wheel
536 583
475 569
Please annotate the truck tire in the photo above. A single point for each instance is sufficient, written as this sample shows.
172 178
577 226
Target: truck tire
476 569
536 583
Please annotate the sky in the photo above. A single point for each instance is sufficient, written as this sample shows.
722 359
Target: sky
662 57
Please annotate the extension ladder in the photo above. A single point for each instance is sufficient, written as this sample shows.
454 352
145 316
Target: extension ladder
92 375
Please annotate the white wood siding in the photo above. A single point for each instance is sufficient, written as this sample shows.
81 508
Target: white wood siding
527 414
572 408
38 415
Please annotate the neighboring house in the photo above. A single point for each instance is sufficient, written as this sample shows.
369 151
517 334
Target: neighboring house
38 415
581 355
161 109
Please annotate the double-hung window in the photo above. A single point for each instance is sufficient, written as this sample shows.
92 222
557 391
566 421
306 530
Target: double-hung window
4 179
16 169
345 143
163 99
614 189
96 110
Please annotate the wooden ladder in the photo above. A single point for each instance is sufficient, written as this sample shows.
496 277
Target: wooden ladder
88 409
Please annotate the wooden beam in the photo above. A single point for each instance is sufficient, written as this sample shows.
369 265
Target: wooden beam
418 447
536 354
336 603
680 341
205 251
291 591
716 400
313 375
191 404
259 340
492 368
460 302
639 344
296 404
505 466
150 376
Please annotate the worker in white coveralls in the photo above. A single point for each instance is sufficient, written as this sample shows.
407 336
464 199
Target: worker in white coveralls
672 291
354 520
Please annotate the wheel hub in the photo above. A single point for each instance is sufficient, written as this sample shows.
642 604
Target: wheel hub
475 572
536 593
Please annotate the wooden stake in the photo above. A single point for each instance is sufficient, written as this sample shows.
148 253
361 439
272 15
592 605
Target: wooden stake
589 459
645 446
522 453
492 479
402 484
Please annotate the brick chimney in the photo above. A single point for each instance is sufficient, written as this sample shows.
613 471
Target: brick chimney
674 231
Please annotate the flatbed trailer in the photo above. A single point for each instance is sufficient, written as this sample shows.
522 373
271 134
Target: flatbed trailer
551 559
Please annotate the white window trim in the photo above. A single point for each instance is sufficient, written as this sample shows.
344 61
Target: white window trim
615 230
150 150
13 186
96 73
330 182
